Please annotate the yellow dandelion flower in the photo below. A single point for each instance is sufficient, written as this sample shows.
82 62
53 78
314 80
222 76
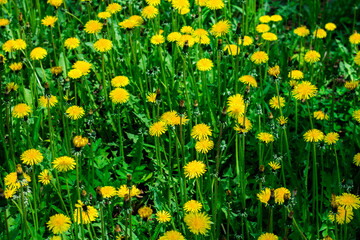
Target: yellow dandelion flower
201 131
103 45
268 236
16 180
45 101
9 192
84 214
104 15
55 3
277 102
236 105
93 27
268 36
302 31
125 192
137 19
248 80
56 70
330 26
163 216
274 71
31 157
215 4
153 2
113 8
157 129
341 214
151 97
192 206
174 37
280 195
59 223
220 28
276 18
128 24
83 66
4 22
49 21
355 38
8 46
149 12
259 57
320 115
264 196
173 118
64 164
75 74
187 30
19 44
172 235
304 90
232 49
194 169
204 146
356 159
296 74
319 33
11 86
274 165
282 120
119 95
265 19
348 201
16 66
120 81
21 110
262 28
75 112
72 43
265 137
312 56
157 39
331 138
180 4
185 39
184 11
204 64
38 53
145 212
246 41
198 223
45 177
356 115
243 125
314 135
357 59
80 142
351 85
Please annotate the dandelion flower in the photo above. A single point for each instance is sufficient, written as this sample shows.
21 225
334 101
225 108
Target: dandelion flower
304 90
262 28
16 180
357 59
280 194
55 3
172 235
248 80
356 159
145 212
38 53
259 57
173 118
320 33
45 177
351 85
31 157
348 201
113 8
163 216
330 26
282 120
137 19
232 49
180 4
268 36
49 21
187 30
194 169
204 146
201 36
93 27
355 38
151 97
312 56
302 31
198 223
124 191
119 95
83 66
59 223
21 110
331 138
320 115
12 86
277 102
215 4
56 70
274 165
104 15
174 37
75 112
276 18
265 19
265 137
103 45
246 41
4 22
9 192
204 64
80 142
108 191
220 28
264 196
188 39
64 164
236 105
314 135
74 74
274 71
149 12
157 39
84 214
268 236
16 66
19 44
157 129
296 74
243 125
120 81
356 115
340 215
8 46
201 131
128 24
192 206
